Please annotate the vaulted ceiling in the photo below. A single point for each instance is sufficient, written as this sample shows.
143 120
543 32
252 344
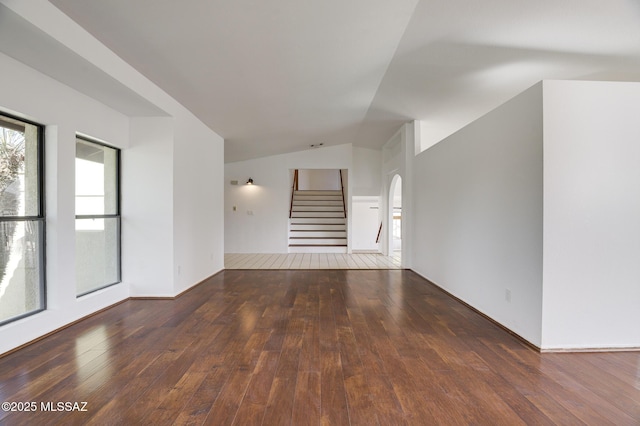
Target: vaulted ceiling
276 76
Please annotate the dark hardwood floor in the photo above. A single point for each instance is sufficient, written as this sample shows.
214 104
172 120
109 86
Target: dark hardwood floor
311 347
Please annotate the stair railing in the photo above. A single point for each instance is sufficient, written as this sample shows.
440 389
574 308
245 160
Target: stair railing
294 188
344 205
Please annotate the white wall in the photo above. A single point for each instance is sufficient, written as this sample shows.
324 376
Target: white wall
365 211
266 229
27 93
366 171
319 179
172 209
198 195
478 214
168 222
260 222
591 215
147 208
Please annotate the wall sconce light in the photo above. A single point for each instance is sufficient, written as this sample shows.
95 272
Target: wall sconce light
250 181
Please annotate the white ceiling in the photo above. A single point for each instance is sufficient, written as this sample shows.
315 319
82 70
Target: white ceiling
27 43
276 76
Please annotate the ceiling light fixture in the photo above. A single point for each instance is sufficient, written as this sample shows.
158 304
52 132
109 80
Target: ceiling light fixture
250 181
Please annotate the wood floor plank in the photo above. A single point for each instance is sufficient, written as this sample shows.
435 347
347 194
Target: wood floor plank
252 408
306 400
280 406
608 394
200 405
388 407
359 396
309 359
311 347
333 408
171 405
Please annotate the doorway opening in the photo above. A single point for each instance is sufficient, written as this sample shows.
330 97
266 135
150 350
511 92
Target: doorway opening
395 217
318 211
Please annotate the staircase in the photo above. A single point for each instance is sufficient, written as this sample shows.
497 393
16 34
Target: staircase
317 223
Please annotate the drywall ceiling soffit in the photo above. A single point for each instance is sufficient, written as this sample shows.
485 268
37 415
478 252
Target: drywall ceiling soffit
24 42
274 77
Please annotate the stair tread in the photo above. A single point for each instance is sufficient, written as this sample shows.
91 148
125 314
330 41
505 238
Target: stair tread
317 245
316 223
315 211
318 217
324 212
317 238
317 230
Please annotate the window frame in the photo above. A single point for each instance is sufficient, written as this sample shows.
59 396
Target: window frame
117 215
40 218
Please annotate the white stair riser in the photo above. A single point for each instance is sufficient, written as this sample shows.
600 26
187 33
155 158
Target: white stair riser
317 203
317 249
318 223
317 198
317 208
317 214
309 192
327 234
317 241
316 220
318 227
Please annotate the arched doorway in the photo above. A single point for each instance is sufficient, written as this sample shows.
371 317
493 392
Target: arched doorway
395 217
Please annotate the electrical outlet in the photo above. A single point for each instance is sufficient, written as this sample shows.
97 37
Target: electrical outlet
250 212
507 295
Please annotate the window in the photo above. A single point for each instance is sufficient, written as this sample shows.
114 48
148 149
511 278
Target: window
22 280
97 216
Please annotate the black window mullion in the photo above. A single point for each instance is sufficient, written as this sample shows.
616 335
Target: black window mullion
20 218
